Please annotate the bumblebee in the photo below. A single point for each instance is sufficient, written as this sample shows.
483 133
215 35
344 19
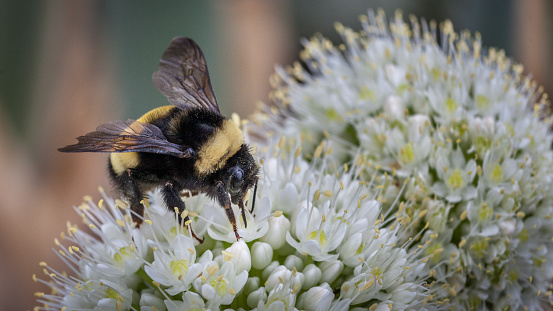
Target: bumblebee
188 145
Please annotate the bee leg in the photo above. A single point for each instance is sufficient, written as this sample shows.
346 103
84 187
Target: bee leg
131 191
253 199
224 200
189 193
172 199
242 209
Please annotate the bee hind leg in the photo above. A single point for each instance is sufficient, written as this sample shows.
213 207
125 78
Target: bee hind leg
172 200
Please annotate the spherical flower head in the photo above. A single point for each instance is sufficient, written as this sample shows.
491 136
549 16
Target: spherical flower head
457 125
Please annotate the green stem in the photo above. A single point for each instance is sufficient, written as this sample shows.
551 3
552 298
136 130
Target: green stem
308 260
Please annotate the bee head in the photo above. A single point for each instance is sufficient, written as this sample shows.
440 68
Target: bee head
241 174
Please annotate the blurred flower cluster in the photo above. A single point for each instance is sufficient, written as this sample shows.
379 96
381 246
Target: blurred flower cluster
407 168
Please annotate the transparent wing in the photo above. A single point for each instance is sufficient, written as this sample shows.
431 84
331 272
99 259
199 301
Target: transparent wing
129 136
183 77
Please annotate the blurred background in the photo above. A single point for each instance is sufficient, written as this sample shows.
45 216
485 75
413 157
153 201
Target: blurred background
68 66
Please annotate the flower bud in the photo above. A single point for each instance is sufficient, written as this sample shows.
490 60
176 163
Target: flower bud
270 268
483 126
262 254
192 301
276 235
317 299
287 198
241 257
312 275
508 226
395 74
292 262
252 284
151 300
255 297
348 250
417 124
293 219
330 270
394 107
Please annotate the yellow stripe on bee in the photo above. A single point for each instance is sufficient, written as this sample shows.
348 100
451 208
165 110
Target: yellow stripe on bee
120 162
213 155
123 161
155 114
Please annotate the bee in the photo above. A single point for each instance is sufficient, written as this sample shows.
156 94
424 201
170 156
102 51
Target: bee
188 145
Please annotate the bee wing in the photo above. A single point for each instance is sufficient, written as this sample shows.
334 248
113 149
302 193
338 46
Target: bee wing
183 77
129 136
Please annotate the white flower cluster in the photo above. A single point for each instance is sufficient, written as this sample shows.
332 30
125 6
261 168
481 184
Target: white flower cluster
316 241
465 128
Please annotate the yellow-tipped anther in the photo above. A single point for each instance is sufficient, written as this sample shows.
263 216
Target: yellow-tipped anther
227 255
316 195
120 204
298 152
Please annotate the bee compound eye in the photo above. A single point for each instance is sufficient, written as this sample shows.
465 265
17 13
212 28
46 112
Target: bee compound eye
236 179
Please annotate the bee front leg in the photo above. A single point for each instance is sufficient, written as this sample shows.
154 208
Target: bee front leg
224 200
172 199
243 211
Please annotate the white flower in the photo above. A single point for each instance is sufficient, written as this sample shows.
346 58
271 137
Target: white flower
219 284
455 175
282 296
221 229
319 232
279 274
176 268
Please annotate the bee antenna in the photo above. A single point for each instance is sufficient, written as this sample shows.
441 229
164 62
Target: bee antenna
253 200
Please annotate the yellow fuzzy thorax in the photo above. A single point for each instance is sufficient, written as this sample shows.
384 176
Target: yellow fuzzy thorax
213 155
155 114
